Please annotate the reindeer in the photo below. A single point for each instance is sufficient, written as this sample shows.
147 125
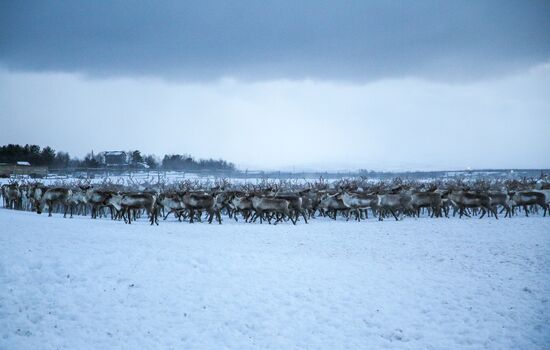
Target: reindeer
525 198
310 201
114 203
198 201
77 199
546 193
3 193
34 194
277 206
188 198
173 202
464 199
56 195
12 196
137 201
241 203
24 193
393 202
446 202
500 198
358 203
430 200
98 200
332 203
295 204
222 202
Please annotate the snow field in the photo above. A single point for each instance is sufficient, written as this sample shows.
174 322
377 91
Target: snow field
414 284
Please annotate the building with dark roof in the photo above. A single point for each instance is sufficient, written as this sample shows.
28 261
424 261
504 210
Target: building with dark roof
115 158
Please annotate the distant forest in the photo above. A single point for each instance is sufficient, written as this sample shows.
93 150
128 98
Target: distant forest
47 156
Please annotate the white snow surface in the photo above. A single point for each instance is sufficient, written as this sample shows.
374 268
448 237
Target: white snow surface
415 284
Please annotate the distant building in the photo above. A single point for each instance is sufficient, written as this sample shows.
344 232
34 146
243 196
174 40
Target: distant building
115 158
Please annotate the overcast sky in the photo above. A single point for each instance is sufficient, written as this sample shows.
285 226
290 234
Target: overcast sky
283 84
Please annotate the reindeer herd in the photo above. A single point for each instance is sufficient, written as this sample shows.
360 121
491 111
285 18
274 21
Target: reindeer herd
282 201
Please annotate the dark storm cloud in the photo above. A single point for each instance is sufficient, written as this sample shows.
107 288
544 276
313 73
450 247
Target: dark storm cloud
343 40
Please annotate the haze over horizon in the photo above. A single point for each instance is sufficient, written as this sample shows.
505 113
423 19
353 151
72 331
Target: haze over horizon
322 85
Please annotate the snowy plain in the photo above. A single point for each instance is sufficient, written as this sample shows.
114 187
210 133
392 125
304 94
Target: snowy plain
414 284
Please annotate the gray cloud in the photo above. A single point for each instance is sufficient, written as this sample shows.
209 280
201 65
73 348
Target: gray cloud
257 40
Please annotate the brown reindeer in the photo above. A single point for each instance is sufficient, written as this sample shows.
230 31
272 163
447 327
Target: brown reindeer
430 200
12 196
76 200
503 199
56 195
331 204
294 204
359 203
98 199
464 199
132 202
173 201
270 206
310 201
525 198
394 203
199 201
241 203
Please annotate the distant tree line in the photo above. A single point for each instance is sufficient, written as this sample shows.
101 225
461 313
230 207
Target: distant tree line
34 154
186 162
47 156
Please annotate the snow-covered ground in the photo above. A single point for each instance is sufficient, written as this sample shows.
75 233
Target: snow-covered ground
414 284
